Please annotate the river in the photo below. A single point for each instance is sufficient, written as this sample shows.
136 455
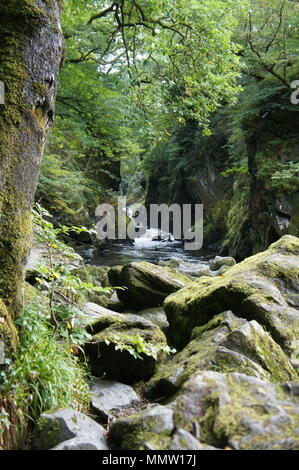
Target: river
153 252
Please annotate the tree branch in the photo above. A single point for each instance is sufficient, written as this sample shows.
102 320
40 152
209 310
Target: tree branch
102 13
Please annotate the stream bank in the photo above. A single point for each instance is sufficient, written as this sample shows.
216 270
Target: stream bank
232 381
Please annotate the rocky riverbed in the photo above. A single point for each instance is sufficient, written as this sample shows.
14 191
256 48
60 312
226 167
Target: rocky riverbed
188 356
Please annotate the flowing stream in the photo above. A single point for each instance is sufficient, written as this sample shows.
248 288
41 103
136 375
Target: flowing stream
152 251
154 246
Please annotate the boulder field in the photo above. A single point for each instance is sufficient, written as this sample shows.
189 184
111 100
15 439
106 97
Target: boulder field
232 380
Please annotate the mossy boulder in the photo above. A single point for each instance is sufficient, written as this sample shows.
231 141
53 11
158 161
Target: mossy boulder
8 332
32 295
264 287
62 425
239 411
98 276
184 440
94 274
221 261
150 427
96 318
145 284
124 347
225 344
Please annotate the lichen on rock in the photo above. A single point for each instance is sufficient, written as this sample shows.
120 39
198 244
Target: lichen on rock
263 287
124 347
145 284
235 410
225 344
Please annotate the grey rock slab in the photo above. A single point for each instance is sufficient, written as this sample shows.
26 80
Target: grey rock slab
64 424
109 396
81 443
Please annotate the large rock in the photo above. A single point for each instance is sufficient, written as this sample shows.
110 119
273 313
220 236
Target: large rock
183 440
238 411
125 347
221 261
80 443
146 429
94 317
108 398
98 276
146 285
156 315
62 425
264 287
225 344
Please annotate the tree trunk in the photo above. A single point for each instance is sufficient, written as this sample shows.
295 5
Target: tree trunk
31 50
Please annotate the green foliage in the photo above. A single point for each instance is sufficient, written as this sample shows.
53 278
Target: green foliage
283 177
64 289
43 374
130 77
56 187
269 36
180 55
137 346
237 236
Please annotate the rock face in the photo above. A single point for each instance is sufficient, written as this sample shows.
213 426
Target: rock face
94 314
226 343
125 347
155 315
264 288
55 428
146 285
108 398
145 429
238 411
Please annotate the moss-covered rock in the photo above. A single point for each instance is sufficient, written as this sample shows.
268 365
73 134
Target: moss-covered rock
94 274
62 425
33 296
184 440
238 411
8 331
220 261
124 347
148 428
98 276
146 285
264 287
225 344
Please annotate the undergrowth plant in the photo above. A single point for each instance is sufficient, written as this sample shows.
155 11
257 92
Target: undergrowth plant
43 375
137 346
65 290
